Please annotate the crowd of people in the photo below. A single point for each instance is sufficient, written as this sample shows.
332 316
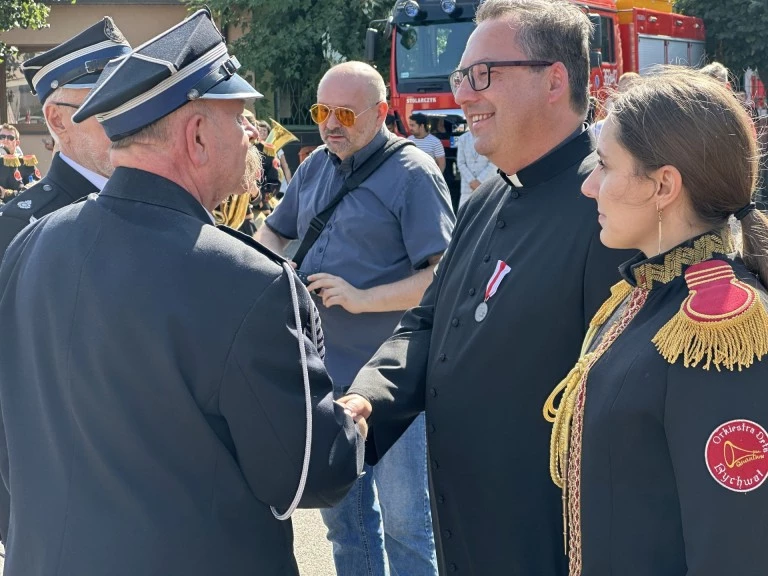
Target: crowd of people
567 379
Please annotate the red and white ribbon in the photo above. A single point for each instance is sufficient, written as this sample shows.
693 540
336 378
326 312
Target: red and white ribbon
502 269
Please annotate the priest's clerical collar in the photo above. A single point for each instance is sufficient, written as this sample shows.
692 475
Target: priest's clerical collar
573 149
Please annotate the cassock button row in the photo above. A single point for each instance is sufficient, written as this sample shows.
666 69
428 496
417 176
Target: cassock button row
447 534
433 392
442 357
471 291
515 194
452 567
455 322
486 257
500 224
440 499
432 428
435 465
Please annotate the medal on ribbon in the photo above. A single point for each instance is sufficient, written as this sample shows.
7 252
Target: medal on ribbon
502 269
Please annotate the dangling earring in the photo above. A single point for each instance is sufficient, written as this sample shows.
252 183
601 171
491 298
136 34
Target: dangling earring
659 211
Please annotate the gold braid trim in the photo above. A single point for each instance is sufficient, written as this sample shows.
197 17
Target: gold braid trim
703 249
732 342
30 160
561 416
11 161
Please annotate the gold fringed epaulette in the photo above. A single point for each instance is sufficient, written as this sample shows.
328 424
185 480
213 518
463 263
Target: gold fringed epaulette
722 322
11 161
29 160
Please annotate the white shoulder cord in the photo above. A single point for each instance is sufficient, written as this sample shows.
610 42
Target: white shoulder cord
307 396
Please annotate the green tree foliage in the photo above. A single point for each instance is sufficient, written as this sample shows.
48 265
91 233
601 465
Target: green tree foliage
736 31
289 44
21 14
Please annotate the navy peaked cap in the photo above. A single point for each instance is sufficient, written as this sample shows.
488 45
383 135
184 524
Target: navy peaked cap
78 62
187 62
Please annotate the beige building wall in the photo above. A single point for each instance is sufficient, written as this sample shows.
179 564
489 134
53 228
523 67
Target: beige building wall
138 22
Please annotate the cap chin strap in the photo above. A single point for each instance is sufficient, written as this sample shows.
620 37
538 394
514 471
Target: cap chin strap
225 71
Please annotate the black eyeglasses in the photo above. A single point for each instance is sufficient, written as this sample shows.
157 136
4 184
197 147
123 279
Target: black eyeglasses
66 104
7 137
479 74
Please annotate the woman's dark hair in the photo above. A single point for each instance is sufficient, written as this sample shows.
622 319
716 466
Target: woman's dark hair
683 118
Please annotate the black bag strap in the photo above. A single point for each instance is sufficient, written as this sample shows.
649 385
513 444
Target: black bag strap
372 163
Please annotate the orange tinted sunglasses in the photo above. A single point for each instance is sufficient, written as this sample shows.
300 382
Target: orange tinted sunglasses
345 116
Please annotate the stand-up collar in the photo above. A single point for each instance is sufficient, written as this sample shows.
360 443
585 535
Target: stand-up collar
141 186
572 150
650 273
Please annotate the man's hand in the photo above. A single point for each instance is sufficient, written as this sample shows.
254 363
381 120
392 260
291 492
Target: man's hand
357 408
335 291
474 184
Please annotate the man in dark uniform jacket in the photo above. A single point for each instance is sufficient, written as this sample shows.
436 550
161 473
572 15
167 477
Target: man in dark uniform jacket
62 78
163 397
504 319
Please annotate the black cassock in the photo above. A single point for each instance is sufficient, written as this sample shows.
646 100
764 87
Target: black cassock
483 383
152 393
61 186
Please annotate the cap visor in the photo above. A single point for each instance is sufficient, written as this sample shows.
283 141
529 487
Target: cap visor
234 88
88 81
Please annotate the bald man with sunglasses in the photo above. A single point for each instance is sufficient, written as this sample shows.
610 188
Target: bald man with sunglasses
62 78
373 260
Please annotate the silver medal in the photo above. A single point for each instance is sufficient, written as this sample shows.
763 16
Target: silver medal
481 312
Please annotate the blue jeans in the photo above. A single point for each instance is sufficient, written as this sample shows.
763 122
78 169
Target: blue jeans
383 527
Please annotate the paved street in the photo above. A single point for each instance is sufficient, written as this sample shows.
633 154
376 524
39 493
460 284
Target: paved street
313 551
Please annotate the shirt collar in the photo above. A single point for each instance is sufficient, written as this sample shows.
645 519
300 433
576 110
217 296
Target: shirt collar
650 273
574 148
96 179
349 164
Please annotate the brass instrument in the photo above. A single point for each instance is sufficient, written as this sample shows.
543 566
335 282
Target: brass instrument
278 137
233 211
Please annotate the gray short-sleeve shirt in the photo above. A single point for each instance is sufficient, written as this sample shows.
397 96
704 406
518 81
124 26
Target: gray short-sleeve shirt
380 233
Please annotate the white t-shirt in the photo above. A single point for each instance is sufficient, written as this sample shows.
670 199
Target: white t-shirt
429 144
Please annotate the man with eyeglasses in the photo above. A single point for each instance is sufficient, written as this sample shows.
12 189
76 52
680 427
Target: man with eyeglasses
17 170
373 260
61 78
512 298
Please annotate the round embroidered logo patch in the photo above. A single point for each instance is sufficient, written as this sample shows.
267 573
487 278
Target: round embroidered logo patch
737 455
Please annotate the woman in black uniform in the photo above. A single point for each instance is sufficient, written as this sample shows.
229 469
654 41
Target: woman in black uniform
659 440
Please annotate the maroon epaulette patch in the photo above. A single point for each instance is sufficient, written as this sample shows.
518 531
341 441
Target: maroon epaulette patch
715 292
722 321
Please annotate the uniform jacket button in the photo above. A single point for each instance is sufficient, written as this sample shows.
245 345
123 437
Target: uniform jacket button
455 322
432 428
447 533
500 224
471 291
486 257
452 567
440 499
515 194
433 392
441 357
435 464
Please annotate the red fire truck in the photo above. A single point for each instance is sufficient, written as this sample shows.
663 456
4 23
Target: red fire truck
427 38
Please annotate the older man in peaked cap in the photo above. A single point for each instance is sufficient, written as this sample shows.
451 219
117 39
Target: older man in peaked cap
168 408
61 78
